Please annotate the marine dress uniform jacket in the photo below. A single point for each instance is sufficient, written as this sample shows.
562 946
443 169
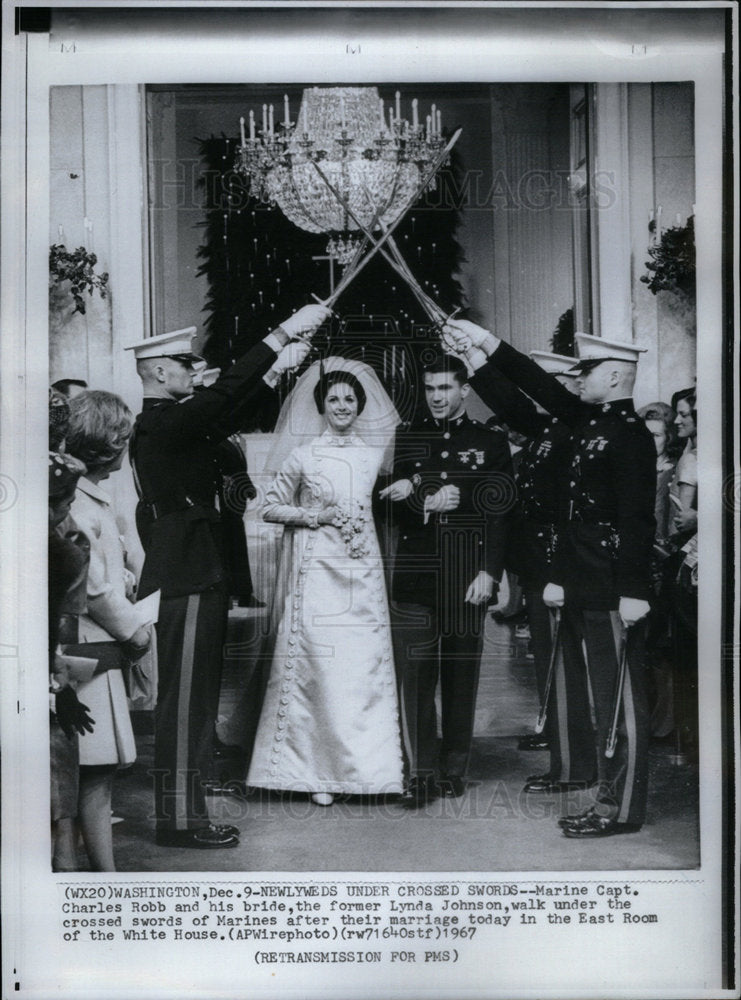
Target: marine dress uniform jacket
542 482
176 459
603 553
174 454
541 476
438 556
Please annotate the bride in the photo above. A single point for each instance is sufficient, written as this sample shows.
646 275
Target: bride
330 722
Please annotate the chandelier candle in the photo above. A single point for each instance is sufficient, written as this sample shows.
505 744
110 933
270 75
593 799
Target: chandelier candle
343 128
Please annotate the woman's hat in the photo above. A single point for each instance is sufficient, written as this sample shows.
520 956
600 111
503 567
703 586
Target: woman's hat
64 471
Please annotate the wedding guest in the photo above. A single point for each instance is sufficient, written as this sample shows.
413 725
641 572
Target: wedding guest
110 630
70 387
682 575
683 488
69 554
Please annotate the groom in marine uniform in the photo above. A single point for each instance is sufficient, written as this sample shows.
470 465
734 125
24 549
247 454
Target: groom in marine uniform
173 455
451 490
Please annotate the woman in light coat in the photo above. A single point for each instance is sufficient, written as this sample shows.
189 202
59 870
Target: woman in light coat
99 429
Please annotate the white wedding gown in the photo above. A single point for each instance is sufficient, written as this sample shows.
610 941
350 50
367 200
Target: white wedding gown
330 720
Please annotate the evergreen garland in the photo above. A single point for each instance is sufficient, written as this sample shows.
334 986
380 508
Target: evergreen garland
672 264
259 268
562 341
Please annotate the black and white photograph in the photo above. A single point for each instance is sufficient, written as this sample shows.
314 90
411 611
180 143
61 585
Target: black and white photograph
386 611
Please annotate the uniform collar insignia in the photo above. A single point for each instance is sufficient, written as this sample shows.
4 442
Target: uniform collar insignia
625 405
445 425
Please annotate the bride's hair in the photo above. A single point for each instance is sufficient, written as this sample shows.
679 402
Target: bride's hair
338 377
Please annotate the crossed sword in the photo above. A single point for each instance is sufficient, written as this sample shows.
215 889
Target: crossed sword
395 258
439 317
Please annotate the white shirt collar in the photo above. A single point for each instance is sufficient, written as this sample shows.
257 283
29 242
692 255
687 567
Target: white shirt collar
93 490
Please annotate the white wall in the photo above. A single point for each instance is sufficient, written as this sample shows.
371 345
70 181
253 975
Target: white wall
644 139
97 174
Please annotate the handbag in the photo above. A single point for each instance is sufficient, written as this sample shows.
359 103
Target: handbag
110 655
140 676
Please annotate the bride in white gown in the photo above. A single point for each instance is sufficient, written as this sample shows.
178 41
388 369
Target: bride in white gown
330 721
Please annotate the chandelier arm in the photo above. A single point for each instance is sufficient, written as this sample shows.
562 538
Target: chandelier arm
399 265
438 162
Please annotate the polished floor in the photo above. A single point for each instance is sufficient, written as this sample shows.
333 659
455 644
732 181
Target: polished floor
493 827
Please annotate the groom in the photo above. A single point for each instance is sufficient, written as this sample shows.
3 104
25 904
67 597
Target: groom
452 488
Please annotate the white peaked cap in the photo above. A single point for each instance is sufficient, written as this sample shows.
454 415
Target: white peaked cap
176 344
593 350
554 364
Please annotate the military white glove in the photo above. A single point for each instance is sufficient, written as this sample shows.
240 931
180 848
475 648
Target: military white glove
631 610
553 595
447 498
481 589
399 490
306 320
289 358
474 359
206 376
466 334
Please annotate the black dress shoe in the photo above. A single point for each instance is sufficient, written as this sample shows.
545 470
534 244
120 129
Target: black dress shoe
226 828
533 742
204 837
452 786
419 793
576 818
545 785
599 826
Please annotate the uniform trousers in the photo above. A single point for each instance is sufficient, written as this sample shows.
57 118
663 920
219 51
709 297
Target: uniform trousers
430 643
623 779
564 725
190 642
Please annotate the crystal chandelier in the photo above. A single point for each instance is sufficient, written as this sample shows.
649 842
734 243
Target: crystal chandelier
373 158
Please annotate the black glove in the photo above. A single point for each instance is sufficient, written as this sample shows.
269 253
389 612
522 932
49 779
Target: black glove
132 652
71 714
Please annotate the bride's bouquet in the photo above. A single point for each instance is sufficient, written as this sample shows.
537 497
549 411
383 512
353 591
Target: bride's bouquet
351 518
